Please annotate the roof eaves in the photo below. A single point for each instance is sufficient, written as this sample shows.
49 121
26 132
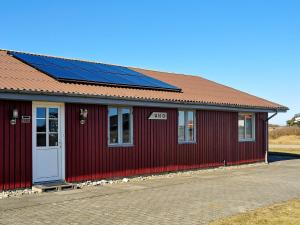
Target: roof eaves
157 100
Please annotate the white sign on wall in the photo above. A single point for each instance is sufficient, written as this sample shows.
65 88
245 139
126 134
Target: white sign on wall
158 116
25 119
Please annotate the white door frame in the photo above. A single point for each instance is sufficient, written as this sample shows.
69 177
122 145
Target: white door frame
62 134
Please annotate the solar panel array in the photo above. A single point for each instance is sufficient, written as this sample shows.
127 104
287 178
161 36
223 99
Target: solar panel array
90 72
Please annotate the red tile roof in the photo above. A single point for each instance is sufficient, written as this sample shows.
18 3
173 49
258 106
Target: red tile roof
15 76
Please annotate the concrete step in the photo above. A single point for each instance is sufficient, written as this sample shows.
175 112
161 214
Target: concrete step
53 186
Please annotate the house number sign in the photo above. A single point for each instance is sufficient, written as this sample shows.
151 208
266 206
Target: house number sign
158 116
25 119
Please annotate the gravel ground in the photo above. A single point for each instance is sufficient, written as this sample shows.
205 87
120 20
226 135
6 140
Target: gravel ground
21 192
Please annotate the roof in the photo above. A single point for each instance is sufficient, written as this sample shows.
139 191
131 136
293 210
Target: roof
16 76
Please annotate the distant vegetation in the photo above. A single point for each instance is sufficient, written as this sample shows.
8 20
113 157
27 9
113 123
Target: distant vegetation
295 121
284 131
273 125
286 135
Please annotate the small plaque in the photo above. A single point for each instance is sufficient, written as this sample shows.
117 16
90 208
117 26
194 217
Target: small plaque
158 116
25 119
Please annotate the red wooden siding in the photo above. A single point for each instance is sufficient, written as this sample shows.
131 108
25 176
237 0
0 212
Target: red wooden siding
15 147
155 144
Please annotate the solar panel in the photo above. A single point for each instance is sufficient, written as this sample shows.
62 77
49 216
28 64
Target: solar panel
89 72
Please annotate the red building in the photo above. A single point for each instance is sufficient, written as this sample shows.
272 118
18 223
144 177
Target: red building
75 120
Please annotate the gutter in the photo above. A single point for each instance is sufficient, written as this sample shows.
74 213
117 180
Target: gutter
267 136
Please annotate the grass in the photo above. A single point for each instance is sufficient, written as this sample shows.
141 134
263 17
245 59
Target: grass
286 150
284 135
287 213
286 140
276 132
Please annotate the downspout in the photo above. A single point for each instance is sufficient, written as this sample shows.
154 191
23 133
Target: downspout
267 137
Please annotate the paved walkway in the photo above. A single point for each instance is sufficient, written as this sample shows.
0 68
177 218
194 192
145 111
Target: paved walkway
186 199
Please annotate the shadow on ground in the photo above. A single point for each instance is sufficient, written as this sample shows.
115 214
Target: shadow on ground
280 156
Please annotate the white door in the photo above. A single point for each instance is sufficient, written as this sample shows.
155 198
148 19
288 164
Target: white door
48 142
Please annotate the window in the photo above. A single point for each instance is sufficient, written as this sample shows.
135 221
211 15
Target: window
246 127
119 126
186 126
46 126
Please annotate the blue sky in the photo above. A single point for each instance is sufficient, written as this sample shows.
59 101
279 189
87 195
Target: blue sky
252 45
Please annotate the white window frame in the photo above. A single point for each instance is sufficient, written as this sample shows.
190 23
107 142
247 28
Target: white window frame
186 127
253 127
120 127
48 132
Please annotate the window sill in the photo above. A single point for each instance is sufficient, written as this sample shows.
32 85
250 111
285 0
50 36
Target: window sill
186 142
120 145
247 140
